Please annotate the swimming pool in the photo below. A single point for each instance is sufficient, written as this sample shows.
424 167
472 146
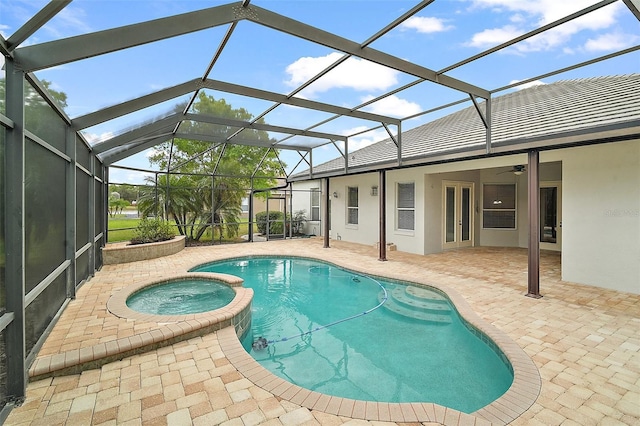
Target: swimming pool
413 348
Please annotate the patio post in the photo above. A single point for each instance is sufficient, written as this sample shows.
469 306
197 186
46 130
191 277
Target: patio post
382 250
325 213
71 210
13 320
534 224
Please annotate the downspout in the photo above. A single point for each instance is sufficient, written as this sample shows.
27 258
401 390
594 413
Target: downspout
382 205
326 213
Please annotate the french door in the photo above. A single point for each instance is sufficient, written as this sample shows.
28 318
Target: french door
551 216
457 217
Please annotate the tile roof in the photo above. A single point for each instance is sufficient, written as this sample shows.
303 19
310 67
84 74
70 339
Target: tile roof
544 111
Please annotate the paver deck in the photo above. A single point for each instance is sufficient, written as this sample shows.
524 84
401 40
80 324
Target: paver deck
583 340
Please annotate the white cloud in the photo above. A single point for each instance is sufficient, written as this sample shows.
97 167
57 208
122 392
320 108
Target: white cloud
494 36
3 29
365 139
425 24
392 106
539 13
126 176
527 85
354 73
610 42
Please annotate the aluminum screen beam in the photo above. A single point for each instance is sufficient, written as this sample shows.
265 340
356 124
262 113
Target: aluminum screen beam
163 95
238 141
307 32
117 155
160 125
63 51
417 8
569 68
134 105
4 49
634 7
529 35
260 126
299 102
37 21
15 237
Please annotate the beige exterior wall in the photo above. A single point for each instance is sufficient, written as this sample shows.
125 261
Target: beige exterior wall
301 200
600 204
601 215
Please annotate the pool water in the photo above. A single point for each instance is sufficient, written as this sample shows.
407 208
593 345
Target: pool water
412 348
181 297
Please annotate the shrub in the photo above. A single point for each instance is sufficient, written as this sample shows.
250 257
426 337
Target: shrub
275 222
152 231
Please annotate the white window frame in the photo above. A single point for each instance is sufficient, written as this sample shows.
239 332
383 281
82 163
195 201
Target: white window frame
498 209
315 192
351 208
404 209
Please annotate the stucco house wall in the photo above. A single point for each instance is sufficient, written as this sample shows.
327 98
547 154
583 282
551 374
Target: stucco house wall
301 200
601 215
600 201
366 231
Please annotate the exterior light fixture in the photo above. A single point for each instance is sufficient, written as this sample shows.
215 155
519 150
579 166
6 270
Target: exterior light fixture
335 194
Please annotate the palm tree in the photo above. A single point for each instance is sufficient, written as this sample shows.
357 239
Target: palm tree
187 200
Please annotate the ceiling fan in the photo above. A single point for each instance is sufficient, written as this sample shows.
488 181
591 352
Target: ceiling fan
516 170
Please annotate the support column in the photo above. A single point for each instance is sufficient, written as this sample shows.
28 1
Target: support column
251 212
71 212
488 122
14 172
325 213
534 224
382 203
94 250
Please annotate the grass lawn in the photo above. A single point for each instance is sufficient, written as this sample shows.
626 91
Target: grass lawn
121 229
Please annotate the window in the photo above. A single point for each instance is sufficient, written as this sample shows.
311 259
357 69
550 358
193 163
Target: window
245 205
405 206
315 204
352 205
499 206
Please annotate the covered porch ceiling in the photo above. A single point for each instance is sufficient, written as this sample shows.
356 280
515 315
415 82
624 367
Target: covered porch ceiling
209 39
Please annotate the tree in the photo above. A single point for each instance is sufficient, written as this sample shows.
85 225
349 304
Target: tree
127 192
116 204
196 200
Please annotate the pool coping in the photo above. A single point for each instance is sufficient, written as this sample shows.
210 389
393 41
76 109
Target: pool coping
520 396
169 329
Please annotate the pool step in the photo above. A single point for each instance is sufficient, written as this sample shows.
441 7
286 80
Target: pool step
431 302
424 293
435 311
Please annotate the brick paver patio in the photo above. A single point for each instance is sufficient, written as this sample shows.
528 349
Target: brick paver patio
585 342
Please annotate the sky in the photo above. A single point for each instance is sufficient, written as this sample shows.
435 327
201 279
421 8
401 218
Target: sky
438 36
